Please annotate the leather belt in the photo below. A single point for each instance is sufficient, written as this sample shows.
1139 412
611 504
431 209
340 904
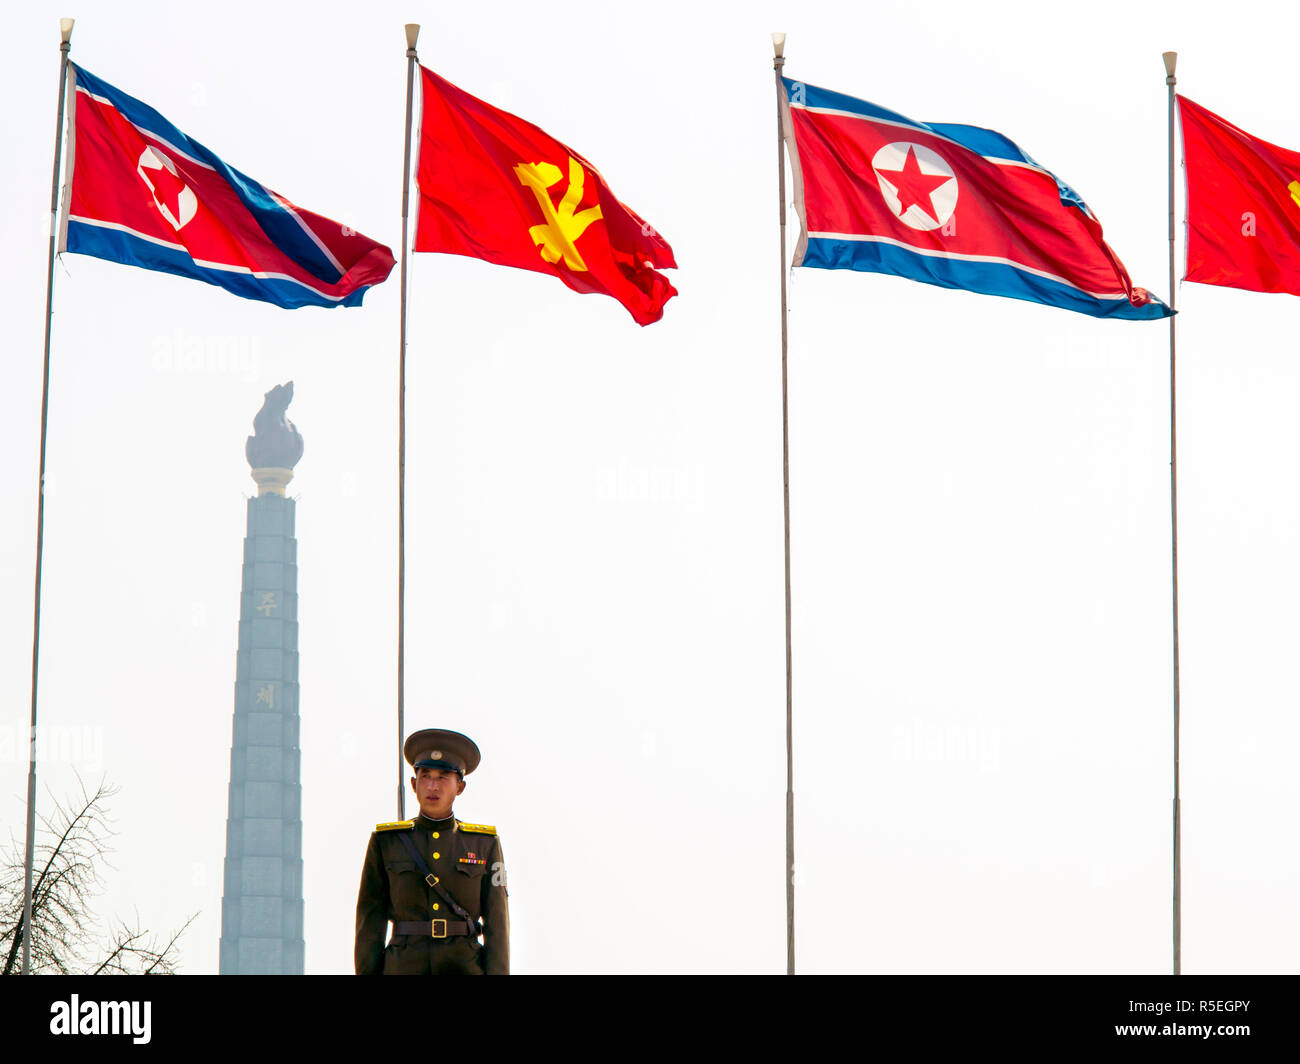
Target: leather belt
435 928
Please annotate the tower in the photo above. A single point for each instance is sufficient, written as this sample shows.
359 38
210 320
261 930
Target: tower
262 904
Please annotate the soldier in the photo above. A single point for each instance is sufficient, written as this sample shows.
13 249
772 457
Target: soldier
435 877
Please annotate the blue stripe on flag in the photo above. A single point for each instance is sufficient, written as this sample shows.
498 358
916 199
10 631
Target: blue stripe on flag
986 142
279 224
988 278
120 246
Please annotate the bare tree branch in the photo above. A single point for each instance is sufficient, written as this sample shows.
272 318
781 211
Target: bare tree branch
71 851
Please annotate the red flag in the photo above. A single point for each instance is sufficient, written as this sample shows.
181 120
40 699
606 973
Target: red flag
1243 206
495 187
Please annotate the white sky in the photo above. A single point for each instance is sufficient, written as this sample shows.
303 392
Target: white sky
980 504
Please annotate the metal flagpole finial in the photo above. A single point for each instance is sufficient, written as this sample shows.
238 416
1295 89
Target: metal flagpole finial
1171 61
412 35
65 29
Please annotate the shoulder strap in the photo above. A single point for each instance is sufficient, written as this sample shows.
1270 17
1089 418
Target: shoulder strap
432 880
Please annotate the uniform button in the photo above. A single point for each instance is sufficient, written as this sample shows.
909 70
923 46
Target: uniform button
436 855
435 834
435 906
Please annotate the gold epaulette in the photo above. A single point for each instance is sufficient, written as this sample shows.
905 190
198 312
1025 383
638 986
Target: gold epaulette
395 825
478 829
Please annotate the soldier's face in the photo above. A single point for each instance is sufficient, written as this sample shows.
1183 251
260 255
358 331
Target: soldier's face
435 789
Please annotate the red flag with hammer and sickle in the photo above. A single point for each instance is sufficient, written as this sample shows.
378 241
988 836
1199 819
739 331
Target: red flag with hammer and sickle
1243 205
494 187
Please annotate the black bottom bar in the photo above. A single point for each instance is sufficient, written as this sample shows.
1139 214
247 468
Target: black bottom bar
1222 1013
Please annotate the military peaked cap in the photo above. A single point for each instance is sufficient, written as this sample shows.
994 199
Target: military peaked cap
439 748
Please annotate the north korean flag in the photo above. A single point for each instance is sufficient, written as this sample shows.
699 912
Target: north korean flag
145 194
949 205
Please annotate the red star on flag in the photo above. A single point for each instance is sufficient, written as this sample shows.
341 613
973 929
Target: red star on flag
914 187
167 189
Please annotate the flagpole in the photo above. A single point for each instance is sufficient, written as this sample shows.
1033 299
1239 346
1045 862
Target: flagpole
412 34
778 62
65 46
1171 60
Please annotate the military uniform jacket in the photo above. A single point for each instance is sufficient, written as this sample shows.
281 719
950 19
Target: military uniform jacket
467 860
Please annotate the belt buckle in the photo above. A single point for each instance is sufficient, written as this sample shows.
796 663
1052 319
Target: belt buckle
436 932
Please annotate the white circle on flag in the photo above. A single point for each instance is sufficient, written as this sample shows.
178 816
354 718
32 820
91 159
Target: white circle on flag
916 183
187 203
